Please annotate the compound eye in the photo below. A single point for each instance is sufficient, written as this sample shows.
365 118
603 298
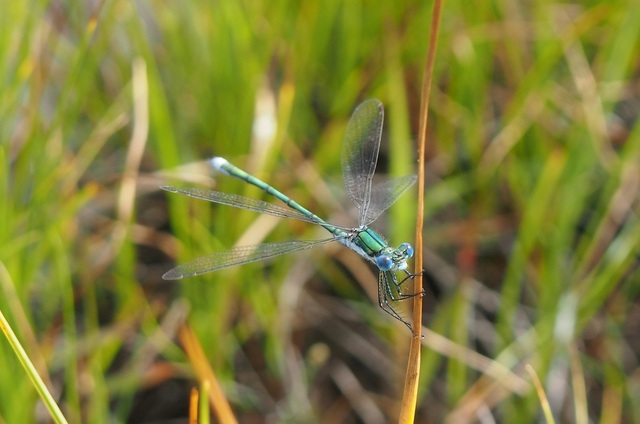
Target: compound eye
384 263
408 249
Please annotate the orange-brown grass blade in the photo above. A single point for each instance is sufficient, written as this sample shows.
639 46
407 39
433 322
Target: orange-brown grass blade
219 403
193 406
410 396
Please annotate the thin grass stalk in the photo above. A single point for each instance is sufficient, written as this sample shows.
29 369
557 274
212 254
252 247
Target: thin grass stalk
410 396
544 401
194 404
22 355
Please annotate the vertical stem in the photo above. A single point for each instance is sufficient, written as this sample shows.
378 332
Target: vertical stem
409 400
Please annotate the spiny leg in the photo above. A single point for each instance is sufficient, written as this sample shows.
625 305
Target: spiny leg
397 295
401 295
411 276
384 292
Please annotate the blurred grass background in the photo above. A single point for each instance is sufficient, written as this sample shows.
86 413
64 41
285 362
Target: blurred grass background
532 225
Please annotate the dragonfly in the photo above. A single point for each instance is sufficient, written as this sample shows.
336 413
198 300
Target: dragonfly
359 158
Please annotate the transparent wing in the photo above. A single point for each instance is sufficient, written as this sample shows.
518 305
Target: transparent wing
238 256
240 202
360 153
385 194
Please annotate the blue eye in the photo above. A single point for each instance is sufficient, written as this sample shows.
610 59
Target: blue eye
384 263
408 249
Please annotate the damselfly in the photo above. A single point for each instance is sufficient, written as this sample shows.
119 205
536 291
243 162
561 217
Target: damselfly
359 158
